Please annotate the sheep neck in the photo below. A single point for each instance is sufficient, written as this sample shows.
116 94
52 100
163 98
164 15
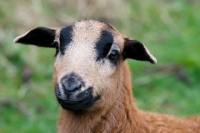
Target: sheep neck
116 117
124 117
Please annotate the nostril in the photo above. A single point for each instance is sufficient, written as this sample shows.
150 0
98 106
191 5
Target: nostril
71 83
70 87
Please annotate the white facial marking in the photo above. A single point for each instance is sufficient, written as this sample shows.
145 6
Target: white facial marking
80 57
80 54
62 94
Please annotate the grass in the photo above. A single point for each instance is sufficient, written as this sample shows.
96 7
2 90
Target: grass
170 29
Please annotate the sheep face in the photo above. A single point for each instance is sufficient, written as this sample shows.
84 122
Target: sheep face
89 60
86 64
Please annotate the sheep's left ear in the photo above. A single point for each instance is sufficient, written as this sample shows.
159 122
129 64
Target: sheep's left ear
136 50
40 36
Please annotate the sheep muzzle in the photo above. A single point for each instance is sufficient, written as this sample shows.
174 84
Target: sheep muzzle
70 94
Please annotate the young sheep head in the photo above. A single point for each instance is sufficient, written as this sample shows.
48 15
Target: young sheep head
88 64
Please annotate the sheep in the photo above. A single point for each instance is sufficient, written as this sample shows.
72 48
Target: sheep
92 80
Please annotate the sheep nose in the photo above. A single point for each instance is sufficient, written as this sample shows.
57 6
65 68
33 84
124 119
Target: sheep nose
71 83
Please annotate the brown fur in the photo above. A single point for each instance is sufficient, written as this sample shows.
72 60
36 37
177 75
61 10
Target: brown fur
124 117
115 111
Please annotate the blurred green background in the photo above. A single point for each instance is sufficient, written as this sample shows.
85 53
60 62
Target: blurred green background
169 28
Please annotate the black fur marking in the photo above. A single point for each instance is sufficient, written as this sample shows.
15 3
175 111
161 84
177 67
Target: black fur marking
65 38
79 106
39 36
135 50
104 44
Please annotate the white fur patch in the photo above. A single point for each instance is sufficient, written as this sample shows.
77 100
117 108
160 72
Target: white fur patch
151 56
80 56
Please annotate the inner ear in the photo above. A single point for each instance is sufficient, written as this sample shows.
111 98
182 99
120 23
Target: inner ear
136 50
40 36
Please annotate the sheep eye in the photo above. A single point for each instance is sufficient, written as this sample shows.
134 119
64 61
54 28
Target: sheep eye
114 54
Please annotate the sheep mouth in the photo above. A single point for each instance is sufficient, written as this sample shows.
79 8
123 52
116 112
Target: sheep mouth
79 101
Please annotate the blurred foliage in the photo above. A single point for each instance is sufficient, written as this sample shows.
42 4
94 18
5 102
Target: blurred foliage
170 29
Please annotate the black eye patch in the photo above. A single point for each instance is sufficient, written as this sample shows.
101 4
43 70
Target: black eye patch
65 38
103 45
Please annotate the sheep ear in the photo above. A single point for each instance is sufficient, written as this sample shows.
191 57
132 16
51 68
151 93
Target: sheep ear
40 36
136 50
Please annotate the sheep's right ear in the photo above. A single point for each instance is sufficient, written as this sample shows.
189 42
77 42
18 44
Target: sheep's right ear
40 36
136 50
